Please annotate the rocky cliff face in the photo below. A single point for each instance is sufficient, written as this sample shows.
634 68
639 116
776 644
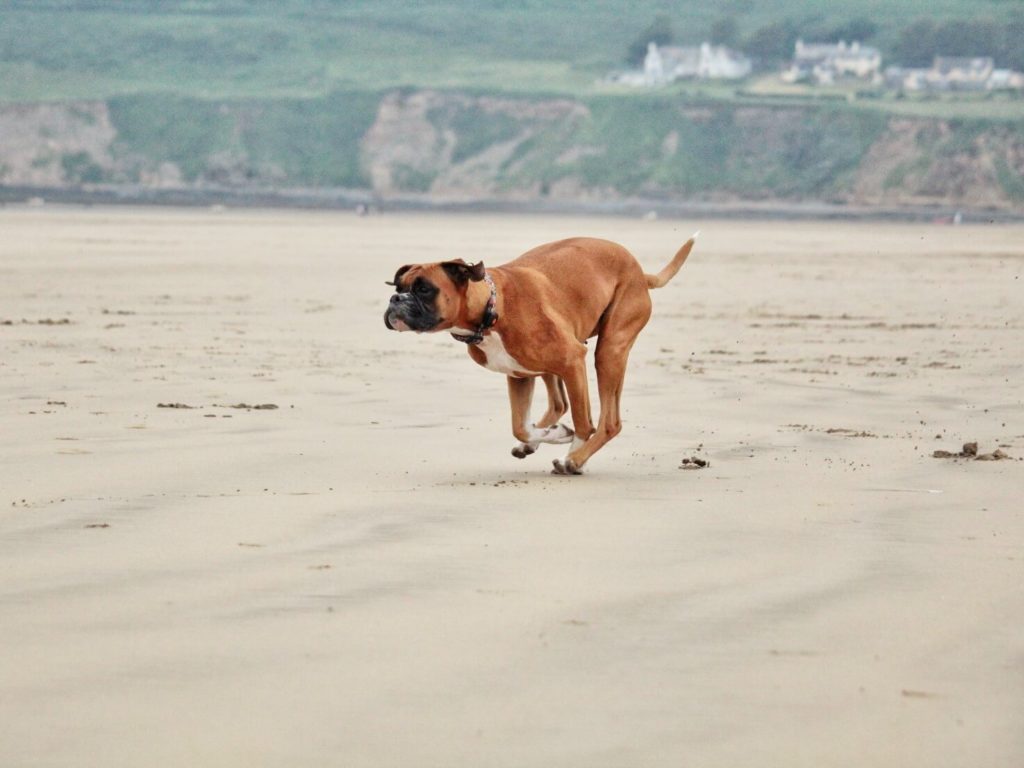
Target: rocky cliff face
457 145
464 146
55 144
932 161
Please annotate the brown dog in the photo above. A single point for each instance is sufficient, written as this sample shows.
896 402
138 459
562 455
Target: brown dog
532 317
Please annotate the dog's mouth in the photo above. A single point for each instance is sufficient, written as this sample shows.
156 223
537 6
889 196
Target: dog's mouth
407 313
395 323
399 325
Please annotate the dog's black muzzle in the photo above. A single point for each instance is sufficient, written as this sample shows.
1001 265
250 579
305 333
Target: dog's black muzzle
410 311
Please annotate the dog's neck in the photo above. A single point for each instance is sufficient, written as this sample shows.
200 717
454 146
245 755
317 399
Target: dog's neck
488 315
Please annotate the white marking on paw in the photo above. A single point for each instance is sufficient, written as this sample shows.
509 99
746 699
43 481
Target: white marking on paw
554 435
576 443
565 468
557 434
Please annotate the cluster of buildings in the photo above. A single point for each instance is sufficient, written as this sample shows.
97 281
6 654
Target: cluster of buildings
822 64
954 73
828 63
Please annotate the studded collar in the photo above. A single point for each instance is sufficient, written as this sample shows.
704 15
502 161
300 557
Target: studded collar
490 316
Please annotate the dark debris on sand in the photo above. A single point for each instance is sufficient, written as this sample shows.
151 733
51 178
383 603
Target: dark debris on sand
970 451
694 463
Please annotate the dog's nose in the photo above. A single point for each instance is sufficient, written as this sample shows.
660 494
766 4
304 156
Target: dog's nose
395 298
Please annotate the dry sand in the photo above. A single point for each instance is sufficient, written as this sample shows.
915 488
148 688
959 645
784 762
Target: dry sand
365 577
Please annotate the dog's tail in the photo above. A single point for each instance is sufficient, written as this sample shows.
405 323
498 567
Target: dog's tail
658 280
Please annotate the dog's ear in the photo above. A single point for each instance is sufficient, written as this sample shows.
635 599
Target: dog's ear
401 271
460 272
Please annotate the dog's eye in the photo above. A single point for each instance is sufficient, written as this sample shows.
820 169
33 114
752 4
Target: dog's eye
422 289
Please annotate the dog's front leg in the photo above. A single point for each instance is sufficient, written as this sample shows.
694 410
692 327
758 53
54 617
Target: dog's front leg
557 403
520 397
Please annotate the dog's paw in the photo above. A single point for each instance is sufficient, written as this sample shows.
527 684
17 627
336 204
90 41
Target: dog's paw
567 467
556 434
523 450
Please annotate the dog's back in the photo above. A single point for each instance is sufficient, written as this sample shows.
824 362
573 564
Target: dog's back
553 270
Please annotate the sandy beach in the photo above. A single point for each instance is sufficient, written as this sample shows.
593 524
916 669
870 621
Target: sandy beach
363 576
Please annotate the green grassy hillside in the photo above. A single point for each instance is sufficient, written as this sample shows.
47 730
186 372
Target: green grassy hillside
60 49
302 142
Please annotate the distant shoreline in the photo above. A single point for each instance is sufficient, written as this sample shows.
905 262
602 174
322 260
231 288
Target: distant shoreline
335 199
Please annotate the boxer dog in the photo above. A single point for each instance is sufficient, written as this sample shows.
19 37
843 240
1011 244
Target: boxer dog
532 317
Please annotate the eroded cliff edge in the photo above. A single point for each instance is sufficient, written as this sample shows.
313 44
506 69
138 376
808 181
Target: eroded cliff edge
455 145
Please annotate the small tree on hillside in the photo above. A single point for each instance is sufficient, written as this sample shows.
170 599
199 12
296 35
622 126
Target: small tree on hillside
659 31
725 31
924 39
859 29
772 43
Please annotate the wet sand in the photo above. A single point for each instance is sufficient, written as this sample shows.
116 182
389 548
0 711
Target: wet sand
364 575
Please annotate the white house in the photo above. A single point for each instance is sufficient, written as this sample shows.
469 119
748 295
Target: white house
963 73
824 63
954 73
1005 78
669 63
718 62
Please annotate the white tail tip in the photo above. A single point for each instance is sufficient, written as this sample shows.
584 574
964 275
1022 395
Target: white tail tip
695 235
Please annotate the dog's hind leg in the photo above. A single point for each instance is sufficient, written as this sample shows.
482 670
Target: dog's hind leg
575 377
610 361
623 323
558 404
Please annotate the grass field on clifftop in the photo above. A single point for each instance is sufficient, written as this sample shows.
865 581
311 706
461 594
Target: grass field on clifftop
81 49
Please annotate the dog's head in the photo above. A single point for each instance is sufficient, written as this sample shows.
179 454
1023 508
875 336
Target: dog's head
431 297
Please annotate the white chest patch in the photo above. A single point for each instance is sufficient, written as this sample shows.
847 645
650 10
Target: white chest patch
498 358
